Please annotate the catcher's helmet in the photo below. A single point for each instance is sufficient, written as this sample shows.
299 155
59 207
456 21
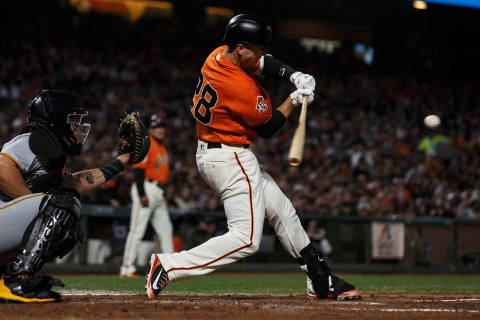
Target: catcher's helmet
248 28
60 112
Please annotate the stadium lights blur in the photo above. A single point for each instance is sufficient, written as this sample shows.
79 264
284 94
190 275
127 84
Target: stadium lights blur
420 5
217 15
217 11
133 9
457 3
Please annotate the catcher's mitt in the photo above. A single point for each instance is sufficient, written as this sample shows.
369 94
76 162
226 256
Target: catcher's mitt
134 137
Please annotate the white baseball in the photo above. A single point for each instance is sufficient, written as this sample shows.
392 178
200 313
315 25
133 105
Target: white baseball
432 121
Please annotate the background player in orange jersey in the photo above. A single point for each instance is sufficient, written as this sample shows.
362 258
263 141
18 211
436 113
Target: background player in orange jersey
148 201
231 110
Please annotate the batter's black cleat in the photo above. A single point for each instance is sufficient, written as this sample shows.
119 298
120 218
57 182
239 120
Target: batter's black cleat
27 289
339 289
322 283
157 278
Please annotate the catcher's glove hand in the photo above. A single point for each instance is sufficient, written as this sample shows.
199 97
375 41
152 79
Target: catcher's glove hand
134 137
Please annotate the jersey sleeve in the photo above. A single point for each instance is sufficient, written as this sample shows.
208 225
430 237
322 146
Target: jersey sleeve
19 151
252 107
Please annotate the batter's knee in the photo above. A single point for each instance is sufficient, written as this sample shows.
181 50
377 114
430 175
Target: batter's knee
249 249
254 247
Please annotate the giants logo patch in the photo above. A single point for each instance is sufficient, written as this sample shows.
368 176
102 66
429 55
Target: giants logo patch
262 105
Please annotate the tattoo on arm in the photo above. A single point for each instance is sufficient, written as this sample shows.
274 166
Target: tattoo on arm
90 179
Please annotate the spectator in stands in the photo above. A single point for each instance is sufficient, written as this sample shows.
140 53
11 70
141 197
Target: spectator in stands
204 230
184 200
318 236
364 133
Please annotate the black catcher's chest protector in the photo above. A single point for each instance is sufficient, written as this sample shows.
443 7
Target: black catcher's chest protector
50 180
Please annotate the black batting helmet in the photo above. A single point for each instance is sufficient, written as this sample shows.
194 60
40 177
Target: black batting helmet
60 112
156 121
248 28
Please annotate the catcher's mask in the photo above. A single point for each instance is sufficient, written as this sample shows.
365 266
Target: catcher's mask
62 113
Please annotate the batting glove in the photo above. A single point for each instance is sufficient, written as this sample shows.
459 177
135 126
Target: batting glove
297 96
302 80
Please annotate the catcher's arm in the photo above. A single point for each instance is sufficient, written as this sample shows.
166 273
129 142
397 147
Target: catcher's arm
88 180
133 147
11 181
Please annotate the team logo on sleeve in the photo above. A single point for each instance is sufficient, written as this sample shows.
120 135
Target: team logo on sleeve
262 105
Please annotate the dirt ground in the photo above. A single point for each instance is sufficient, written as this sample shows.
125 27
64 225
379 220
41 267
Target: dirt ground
245 307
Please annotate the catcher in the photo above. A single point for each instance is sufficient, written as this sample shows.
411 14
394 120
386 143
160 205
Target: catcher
40 199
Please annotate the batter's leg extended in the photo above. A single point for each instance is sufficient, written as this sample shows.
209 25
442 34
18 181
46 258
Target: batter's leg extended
282 216
236 176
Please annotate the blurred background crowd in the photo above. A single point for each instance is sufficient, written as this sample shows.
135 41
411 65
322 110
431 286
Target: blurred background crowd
367 151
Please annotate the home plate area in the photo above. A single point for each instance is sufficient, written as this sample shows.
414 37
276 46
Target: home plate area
109 305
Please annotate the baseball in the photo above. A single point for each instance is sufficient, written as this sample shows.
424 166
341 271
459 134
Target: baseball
432 121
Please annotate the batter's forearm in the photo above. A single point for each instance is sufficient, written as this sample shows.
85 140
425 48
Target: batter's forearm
269 128
276 69
286 107
279 116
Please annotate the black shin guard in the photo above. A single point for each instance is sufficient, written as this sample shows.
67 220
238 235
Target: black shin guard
52 233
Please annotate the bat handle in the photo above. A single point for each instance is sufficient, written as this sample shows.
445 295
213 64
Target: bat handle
303 112
295 155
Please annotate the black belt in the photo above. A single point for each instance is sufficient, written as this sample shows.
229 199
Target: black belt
154 182
213 145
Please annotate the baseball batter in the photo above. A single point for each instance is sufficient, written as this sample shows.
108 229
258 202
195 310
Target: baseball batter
39 198
148 202
231 110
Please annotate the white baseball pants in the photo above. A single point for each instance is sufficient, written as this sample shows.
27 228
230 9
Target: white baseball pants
15 216
157 213
234 173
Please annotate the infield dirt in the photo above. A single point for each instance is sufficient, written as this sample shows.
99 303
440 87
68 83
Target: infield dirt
245 307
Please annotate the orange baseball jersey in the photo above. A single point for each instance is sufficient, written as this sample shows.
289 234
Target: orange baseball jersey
228 102
155 163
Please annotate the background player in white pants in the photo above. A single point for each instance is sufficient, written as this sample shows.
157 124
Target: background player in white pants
231 110
148 201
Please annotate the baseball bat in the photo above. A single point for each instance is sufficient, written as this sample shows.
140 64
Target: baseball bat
295 156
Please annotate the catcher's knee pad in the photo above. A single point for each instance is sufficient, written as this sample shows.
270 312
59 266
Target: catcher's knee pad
52 233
